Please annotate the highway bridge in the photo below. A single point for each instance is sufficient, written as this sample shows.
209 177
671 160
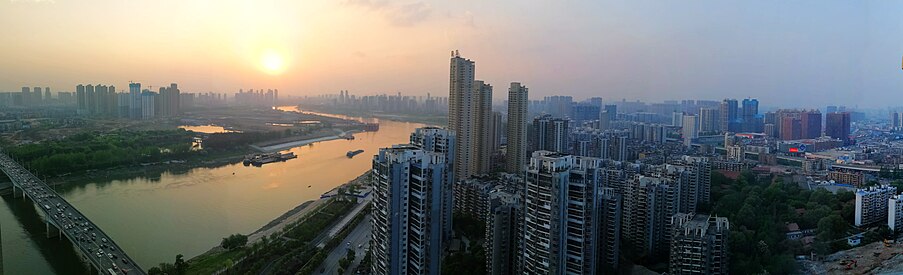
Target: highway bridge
95 246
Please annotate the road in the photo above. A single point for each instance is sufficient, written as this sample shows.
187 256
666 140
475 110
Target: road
99 248
360 236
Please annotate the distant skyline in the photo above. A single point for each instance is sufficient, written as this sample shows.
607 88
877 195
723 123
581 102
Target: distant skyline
799 53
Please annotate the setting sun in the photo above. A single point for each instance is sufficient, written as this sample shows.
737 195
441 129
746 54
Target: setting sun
272 62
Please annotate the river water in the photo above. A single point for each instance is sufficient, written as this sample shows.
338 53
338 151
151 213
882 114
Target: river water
158 215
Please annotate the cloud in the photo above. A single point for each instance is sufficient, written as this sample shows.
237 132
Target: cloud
372 4
468 19
405 15
410 14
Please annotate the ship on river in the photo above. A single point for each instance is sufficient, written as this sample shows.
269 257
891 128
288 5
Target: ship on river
351 154
261 159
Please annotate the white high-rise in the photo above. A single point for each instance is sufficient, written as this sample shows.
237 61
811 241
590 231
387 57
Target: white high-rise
690 129
411 215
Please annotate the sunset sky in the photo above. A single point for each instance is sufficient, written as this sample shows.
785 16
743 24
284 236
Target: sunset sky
783 52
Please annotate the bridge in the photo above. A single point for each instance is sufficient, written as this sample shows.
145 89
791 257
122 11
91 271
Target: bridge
95 246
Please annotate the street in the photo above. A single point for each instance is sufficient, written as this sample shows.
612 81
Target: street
360 236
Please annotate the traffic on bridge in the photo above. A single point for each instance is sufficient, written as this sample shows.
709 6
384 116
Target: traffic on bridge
93 243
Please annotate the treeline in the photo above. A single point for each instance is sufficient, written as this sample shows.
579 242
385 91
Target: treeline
221 141
94 150
760 211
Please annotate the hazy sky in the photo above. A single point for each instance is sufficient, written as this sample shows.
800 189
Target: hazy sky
794 52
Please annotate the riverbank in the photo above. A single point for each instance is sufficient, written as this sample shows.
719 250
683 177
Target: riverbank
416 118
292 144
220 255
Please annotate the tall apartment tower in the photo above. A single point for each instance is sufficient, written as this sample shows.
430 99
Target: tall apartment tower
837 125
895 213
409 191
550 134
441 141
81 100
693 176
495 131
708 120
468 117
26 96
609 230
504 232
811 124
728 114
649 203
690 129
871 204
699 244
561 218
135 100
516 151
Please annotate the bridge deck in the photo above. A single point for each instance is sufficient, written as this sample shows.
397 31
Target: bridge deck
96 245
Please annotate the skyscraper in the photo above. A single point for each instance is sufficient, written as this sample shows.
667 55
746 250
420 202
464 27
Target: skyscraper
550 134
791 128
649 203
516 150
750 115
495 131
612 111
837 126
699 244
708 120
609 233
561 221
504 233
135 100
728 114
409 191
690 129
81 100
467 117
811 124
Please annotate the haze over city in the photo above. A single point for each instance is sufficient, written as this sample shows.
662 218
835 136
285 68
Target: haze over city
784 53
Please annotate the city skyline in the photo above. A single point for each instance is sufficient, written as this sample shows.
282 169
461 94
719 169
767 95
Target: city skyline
680 50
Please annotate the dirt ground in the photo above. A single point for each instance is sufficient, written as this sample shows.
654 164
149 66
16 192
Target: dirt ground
873 258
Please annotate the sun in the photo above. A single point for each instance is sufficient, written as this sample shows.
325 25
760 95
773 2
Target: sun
272 62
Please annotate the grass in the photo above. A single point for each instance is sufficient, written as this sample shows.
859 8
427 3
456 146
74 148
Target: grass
213 261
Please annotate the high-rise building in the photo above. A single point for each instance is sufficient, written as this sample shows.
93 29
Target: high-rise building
81 100
135 101
693 176
750 119
409 191
708 120
170 99
504 234
791 128
612 111
441 141
496 128
36 96
585 112
47 95
559 106
649 203
690 129
26 96
609 233
871 204
811 124
148 105
728 113
468 117
837 125
699 244
550 134
516 150
895 213
561 219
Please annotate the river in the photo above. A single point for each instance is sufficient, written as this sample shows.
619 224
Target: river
156 216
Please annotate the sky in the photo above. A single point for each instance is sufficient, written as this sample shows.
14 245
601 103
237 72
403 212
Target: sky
791 53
